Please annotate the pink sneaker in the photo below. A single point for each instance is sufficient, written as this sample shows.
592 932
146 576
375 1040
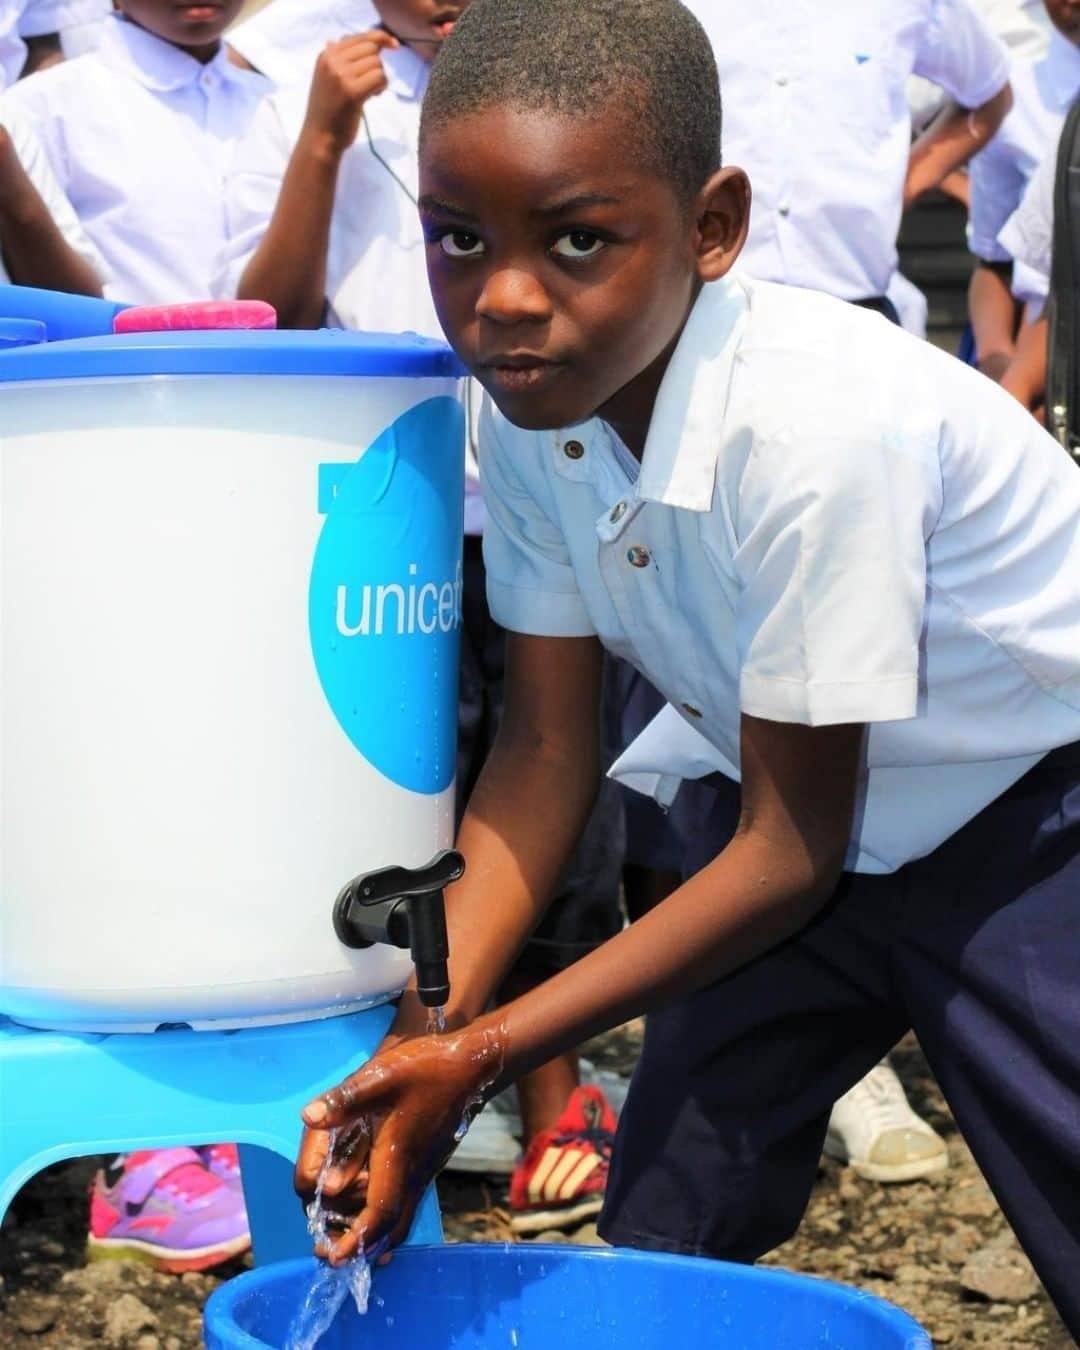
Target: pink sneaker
164 1207
223 1160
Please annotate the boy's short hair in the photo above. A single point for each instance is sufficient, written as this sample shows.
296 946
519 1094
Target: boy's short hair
574 57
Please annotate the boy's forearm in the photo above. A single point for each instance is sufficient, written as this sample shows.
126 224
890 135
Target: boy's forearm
741 905
34 249
954 136
994 314
526 814
1025 377
288 269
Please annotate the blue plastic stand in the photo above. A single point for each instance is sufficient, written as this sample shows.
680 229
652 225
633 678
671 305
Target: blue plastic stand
67 1096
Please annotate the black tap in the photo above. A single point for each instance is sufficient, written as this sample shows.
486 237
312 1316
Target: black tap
404 906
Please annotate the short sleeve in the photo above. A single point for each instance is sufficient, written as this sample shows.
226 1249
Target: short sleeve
997 184
960 53
1028 234
530 578
252 185
831 561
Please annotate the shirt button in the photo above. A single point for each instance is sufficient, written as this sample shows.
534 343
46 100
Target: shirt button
784 208
573 450
638 556
690 710
617 512
781 79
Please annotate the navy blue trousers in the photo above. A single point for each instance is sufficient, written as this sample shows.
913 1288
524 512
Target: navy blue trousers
976 948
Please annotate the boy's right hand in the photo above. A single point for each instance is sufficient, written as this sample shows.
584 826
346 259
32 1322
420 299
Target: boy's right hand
347 74
411 1100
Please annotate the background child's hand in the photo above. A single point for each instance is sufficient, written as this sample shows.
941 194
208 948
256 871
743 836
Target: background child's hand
347 74
413 1098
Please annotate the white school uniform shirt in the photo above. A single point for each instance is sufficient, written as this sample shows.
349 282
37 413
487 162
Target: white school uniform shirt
376 274
1042 94
909 558
36 164
1028 235
284 39
815 111
21 19
1022 25
139 135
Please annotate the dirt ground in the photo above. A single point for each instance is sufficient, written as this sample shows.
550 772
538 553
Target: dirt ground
943 1251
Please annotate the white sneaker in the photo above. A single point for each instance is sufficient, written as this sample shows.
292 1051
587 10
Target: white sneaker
875 1131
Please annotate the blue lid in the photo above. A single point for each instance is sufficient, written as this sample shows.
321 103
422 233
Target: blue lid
21 332
245 352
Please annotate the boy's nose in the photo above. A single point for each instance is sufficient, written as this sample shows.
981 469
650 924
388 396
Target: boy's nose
511 295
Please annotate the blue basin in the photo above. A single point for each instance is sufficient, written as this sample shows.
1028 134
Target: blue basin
531 1297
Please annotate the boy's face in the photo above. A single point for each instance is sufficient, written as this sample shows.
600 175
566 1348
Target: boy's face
1065 16
562 267
194 27
421 24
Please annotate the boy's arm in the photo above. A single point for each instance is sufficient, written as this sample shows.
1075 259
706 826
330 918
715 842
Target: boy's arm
799 787
994 312
34 249
1025 377
954 136
288 269
525 815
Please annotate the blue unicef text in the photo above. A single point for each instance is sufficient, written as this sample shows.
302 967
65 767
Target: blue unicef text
384 605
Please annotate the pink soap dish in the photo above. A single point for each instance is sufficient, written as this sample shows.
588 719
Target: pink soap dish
196 316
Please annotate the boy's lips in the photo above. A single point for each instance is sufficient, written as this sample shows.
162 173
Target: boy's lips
521 372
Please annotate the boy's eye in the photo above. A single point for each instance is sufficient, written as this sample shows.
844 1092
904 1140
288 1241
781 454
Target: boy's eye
577 244
461 244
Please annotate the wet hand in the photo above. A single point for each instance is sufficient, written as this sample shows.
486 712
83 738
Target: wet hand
410 1100
347 74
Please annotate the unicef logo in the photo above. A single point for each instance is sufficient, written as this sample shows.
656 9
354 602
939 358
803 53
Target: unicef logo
384 605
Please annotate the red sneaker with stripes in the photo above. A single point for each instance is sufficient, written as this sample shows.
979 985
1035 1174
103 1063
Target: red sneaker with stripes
562 1177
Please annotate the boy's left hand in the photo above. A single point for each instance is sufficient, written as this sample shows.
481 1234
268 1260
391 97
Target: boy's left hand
412 1099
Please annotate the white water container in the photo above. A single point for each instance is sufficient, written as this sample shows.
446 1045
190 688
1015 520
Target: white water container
229 613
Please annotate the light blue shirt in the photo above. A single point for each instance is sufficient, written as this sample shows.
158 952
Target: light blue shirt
833 522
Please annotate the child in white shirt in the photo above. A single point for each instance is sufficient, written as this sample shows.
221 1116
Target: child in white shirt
139 134
852 567
1042 94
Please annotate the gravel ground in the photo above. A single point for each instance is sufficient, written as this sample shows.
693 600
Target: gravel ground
943 1251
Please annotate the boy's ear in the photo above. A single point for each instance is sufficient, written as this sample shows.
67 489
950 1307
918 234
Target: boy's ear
722 217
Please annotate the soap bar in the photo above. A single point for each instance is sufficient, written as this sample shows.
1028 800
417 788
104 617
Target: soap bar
196 315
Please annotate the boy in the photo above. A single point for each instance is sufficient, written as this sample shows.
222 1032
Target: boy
852 566
139 134
322 212
825 215
1042 94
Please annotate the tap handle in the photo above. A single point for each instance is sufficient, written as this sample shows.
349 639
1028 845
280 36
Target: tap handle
405 883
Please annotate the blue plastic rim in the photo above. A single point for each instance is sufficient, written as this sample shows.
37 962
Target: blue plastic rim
231 352
542 1298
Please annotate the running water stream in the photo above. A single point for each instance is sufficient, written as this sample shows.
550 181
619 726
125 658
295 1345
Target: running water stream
331 1285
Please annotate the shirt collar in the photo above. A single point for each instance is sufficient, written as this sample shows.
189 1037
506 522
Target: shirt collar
406 73
158 65
1060 74
678 467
